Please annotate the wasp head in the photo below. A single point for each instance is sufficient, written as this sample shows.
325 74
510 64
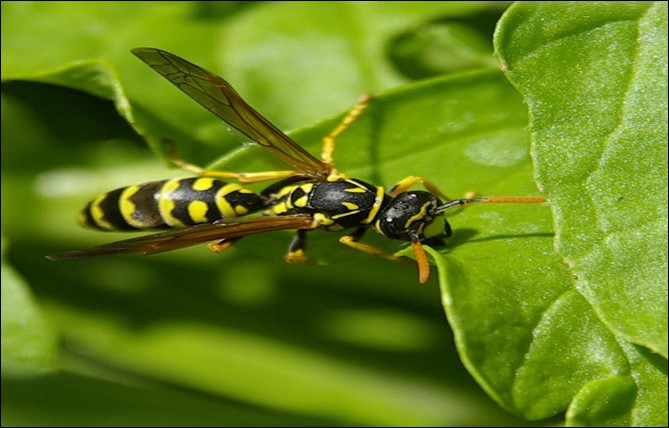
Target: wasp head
412 216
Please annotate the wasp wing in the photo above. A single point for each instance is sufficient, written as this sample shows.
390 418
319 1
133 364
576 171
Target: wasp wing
171 240
216 95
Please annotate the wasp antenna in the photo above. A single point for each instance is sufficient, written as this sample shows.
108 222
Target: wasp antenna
491 200
512 199
421 259
453 203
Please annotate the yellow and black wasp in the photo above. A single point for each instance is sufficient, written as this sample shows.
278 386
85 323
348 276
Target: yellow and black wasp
311 195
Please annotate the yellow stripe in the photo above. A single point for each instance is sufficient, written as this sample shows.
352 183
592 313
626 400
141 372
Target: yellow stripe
350 206
356 190
128 208
166 205
170 186
377 226
227 210
279 208
380 194
203 183
98 213
284 191
301 202
338 216
421 214
307 188
197 211
359 188
321 220
240 210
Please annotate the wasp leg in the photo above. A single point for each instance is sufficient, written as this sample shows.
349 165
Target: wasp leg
421 259
329 140
222 245
242 177
295 252
405 183
352 240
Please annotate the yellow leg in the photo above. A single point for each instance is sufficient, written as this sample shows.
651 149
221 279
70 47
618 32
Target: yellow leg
329 140
416 246
421 260
406 183
222 245
352 242
419 253
242 177
296 252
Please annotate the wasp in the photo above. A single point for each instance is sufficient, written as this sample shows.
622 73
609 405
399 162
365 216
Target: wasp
311 195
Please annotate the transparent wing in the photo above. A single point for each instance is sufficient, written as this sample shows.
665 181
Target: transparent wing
174 239
217 96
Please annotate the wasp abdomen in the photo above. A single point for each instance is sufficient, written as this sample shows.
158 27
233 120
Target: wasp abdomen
176 203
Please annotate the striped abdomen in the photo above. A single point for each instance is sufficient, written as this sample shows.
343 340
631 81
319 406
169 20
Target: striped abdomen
176 203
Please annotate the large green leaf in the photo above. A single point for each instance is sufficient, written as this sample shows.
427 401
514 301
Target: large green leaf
595 79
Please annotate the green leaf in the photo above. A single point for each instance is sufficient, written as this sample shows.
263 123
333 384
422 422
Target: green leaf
447 45
605 402
594 76
28 340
